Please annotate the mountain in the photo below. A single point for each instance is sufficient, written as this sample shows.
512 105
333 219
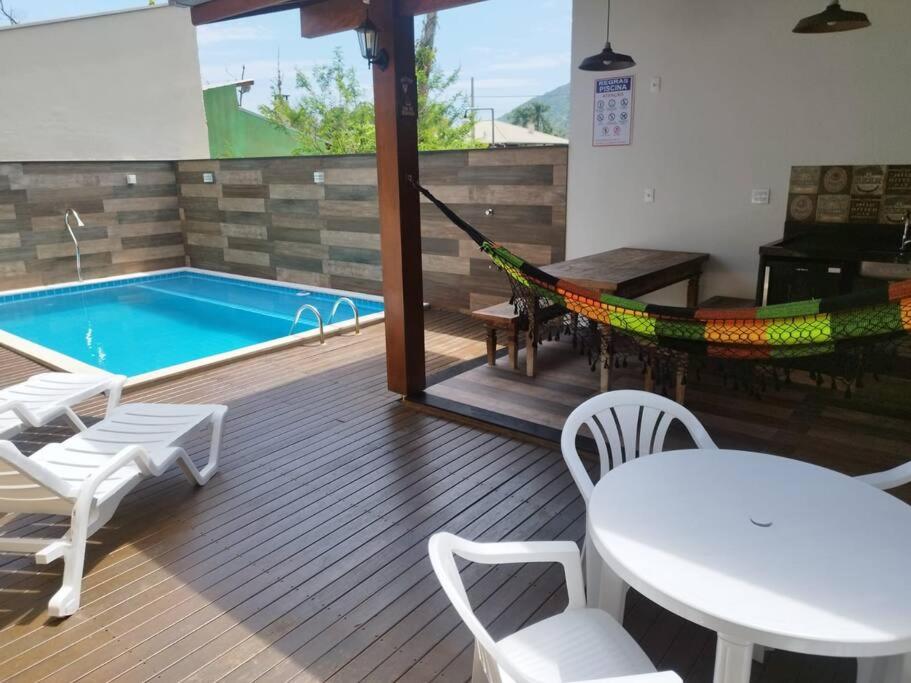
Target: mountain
557 102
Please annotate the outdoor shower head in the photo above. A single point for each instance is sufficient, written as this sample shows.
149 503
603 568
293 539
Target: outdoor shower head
79 223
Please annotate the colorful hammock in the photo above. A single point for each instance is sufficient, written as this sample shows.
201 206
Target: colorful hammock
796 330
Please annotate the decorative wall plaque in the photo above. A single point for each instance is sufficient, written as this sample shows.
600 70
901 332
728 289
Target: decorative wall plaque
870 193
864 210
805 179
833 208
894 209
868 181
801 207
898 180
835 180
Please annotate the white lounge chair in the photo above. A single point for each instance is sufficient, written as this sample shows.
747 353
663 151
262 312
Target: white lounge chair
45 397
581 644
625 425
87 476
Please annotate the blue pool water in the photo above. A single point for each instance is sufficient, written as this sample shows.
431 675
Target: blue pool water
143 324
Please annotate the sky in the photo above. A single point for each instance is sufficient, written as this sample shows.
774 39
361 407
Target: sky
513 51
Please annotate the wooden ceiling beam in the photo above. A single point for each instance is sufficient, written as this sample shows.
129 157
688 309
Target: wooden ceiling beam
335 16
417 7
331 16
222 10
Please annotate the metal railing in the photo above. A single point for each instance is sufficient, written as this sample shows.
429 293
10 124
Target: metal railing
319 319
353 306
79 224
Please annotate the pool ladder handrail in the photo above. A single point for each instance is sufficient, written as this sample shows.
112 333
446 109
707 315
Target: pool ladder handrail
79 223
319 319
353 306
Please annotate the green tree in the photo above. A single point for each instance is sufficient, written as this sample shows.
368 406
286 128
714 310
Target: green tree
532 114
442 123
332 115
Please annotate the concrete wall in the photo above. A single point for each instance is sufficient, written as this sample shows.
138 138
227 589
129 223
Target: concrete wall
236 133
742 100
124 85
128 229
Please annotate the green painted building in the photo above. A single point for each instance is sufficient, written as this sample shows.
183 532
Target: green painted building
235 132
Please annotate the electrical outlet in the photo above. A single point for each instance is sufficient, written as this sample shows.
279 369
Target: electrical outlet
761 196
648 196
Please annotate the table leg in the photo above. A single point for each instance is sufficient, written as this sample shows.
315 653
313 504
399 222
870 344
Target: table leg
491 346
733 660
884 669
692 291
531 355
604 589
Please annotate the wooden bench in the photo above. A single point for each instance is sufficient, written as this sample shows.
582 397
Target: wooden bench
502 318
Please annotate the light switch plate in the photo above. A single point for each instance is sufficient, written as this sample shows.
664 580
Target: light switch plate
648 196
761 195
655 85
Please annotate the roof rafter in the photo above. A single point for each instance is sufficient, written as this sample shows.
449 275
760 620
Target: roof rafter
318 17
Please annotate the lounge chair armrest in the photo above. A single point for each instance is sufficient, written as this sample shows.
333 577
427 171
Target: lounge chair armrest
565 553
660 677
21 411
889 479
114 391
127 455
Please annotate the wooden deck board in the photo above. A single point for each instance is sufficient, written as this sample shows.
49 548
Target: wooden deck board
305 557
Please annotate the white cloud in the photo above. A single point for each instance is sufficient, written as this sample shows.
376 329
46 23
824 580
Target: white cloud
216 34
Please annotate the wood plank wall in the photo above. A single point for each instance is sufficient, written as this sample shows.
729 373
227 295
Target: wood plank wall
128 229
268 218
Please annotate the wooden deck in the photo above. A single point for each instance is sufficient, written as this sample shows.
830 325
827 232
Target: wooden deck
305 557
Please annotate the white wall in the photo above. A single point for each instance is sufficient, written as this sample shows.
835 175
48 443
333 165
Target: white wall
124 85
742 100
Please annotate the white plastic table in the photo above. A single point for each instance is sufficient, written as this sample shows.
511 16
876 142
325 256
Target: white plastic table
763 550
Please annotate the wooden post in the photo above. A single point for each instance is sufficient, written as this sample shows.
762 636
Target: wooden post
396 102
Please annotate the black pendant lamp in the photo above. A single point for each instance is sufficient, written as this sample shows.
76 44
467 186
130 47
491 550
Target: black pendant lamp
832 20
607 59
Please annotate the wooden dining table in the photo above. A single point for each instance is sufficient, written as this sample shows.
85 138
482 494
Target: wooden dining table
631 272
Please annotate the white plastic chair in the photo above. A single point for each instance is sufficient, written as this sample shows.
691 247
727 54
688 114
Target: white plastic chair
87 476
888 479
624 425
45 397
871 670
581 644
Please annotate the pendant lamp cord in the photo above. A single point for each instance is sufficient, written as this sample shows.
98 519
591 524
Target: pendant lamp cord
608 21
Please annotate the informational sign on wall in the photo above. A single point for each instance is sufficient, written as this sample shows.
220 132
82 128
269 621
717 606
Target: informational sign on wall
613 116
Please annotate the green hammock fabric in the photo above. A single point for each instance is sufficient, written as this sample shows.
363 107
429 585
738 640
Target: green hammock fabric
785 331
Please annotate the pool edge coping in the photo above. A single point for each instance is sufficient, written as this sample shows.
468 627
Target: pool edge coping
59 361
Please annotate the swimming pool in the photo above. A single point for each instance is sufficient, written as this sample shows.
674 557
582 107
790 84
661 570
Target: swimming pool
150 326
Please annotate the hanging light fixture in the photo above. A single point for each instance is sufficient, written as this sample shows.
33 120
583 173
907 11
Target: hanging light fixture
832 20
368 37
607 59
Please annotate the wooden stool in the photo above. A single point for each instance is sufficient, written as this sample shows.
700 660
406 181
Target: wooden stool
502 318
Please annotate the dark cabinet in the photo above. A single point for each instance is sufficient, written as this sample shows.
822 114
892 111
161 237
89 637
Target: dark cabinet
786 280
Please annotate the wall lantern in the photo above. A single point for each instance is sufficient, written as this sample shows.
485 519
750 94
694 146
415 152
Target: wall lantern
607 59
368 37
832 20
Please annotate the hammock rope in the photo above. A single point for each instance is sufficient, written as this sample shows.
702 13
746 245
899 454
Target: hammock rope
803 329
